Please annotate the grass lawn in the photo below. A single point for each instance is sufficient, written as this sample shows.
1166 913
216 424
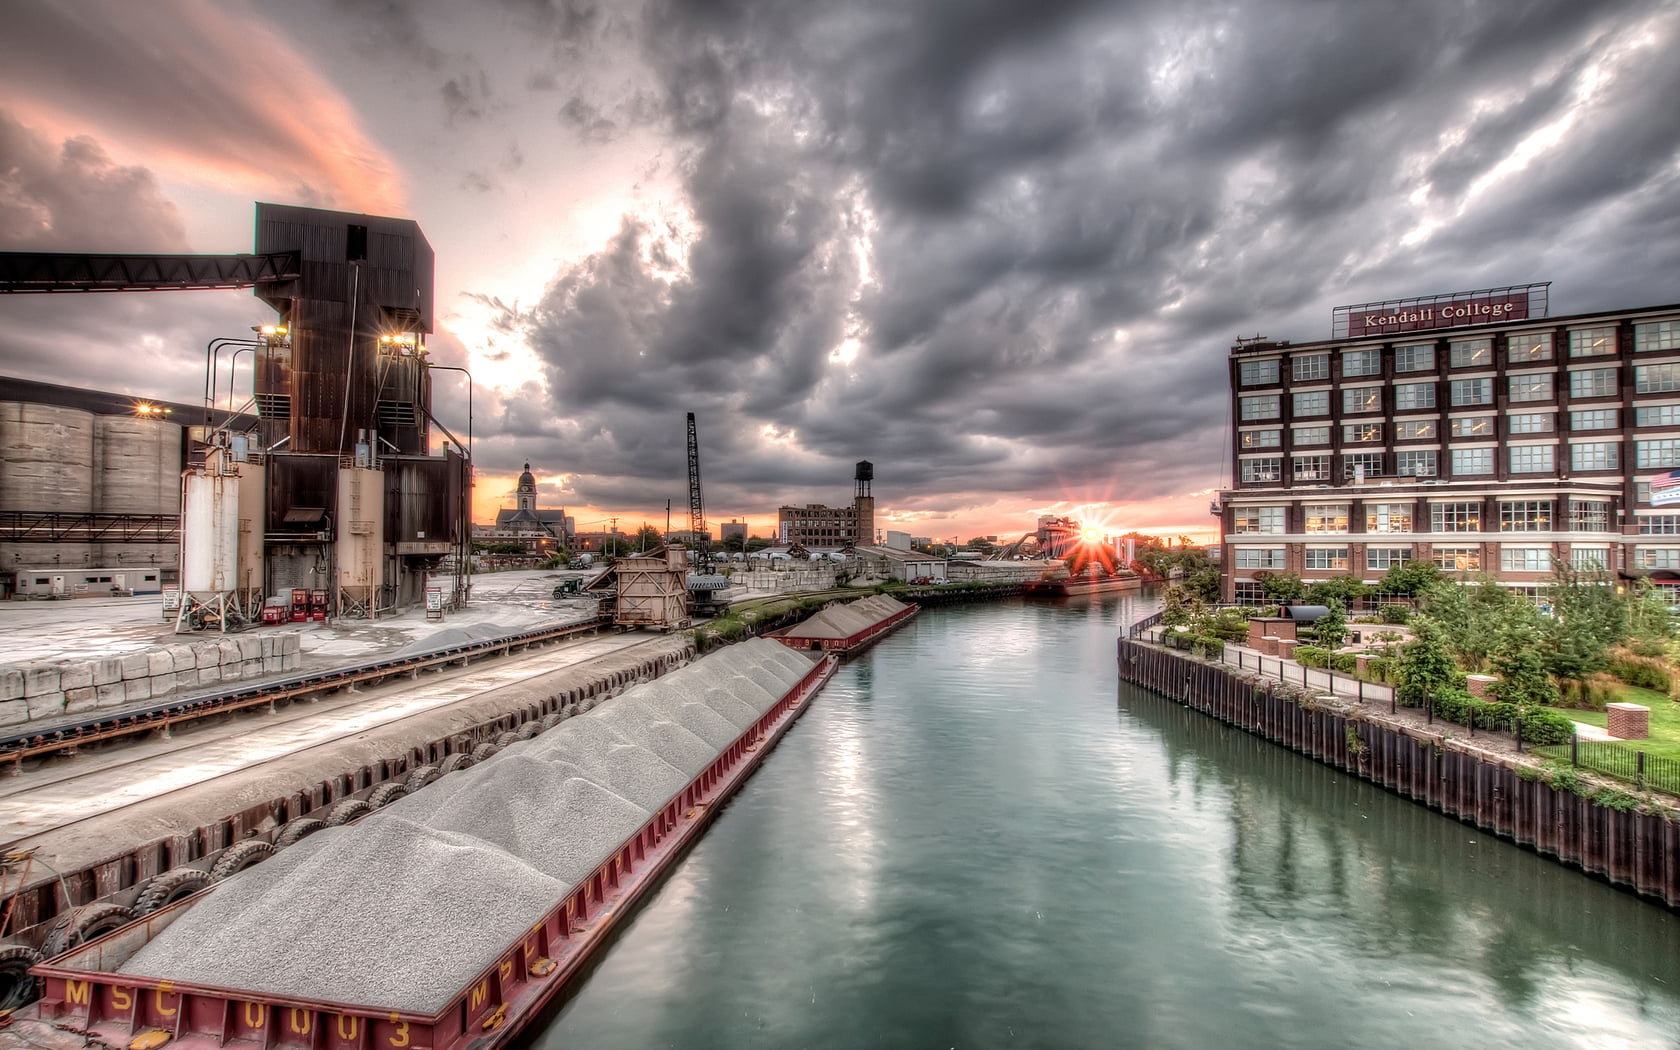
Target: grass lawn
1665 721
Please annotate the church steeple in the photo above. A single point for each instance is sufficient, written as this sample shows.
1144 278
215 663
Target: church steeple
527 493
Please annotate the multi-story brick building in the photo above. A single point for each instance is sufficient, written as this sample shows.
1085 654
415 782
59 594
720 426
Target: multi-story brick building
815 525
1470 430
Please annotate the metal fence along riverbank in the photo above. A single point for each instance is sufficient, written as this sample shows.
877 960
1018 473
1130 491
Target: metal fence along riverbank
1636 850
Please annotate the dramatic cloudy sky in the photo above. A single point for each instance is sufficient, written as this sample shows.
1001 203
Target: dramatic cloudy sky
999 248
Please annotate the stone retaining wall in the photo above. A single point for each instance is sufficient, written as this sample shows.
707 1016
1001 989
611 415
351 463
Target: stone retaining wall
48 691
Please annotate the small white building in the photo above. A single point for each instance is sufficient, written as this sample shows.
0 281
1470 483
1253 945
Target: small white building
60 582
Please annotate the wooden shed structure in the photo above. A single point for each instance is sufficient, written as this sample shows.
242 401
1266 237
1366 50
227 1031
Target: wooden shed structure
646 590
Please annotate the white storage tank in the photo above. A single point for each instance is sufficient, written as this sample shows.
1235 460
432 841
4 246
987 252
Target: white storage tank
361 540
210 533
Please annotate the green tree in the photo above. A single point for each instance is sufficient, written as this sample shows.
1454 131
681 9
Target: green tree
1331 629
1473 616
1523 678
756 543
1412 578
1345 589
1281 587
1588 617
647 538
1426 665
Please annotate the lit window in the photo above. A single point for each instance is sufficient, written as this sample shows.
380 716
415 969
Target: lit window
1362 399
1470 353
1455 517
1414 429
1388 517
1326 517
1592 342
1534 515
1358 433
1257 519
1529 347
1458 559
1531 387
1262 438
1471 426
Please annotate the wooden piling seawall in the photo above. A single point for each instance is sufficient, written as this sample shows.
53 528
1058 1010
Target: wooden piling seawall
1636 851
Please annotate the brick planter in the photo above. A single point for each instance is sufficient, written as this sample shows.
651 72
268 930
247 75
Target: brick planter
1628 721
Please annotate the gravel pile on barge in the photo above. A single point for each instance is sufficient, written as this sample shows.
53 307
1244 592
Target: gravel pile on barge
406 907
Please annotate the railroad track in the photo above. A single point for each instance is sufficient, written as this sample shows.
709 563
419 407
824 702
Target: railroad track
114 724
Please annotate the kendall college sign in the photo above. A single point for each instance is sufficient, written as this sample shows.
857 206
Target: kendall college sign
1516 303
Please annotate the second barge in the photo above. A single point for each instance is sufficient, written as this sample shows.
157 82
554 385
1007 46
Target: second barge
97 993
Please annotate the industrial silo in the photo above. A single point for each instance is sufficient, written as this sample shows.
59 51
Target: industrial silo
46 467
137 471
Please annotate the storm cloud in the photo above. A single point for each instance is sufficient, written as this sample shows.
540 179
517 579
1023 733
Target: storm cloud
999 249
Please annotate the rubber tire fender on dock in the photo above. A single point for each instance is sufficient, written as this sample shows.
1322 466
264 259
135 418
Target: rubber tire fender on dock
484 751
84 924
17 988
346 811
169 887
459 760
239 856
529 730
386 793
552 720
295 831
421 776
509 737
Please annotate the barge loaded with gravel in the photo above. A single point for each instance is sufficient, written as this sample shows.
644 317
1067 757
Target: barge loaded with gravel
450 918
846 627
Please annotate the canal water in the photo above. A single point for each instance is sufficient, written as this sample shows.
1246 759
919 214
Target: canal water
976 838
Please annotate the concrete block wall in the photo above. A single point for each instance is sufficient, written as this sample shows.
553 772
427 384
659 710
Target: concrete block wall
52 690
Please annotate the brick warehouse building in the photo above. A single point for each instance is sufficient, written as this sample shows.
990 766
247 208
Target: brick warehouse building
1469 429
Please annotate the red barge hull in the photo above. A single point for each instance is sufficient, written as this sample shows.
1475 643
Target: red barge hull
86 1003
1077 585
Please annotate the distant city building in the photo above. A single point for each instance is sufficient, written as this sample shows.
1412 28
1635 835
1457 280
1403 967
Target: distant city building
537 528
1469 430
733 529
815 525
898 541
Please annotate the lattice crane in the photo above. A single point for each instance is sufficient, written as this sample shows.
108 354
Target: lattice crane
696 505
